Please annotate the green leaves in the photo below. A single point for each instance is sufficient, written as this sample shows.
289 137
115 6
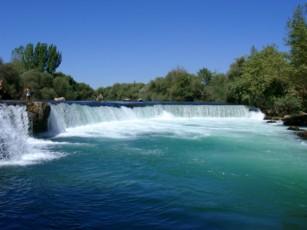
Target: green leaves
205 75
42 57
297 36
54 59
260 78
297 40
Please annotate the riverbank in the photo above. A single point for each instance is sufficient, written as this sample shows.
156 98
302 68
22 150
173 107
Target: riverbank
296 123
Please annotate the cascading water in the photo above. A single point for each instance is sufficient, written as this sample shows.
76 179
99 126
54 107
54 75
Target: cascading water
65 116
16 145
14 131
168 166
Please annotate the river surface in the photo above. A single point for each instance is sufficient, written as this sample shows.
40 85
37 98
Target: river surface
160 167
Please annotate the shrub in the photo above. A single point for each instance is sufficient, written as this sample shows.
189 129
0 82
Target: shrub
288 104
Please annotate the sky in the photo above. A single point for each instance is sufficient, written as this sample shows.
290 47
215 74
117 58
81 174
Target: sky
108 41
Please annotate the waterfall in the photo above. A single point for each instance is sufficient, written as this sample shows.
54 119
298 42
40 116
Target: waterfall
16 145
65 116
14 125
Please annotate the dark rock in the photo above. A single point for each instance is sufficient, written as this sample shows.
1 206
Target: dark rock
296 120
38 113
294 128
302 134
271 115
269 118
271 121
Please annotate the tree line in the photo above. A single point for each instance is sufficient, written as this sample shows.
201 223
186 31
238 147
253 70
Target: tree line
272 80
34 67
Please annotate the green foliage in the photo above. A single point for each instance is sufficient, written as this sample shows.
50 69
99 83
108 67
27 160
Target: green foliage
36 81
217 88
34 67
47 93
262 76
11 82
84 91
42 57
64 88
297 36
297 40
236 69
288 104
178 85
47 86
54 59
157 90
123 91
205 75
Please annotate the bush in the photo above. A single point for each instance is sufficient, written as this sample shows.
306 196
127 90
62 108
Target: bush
11 81
289 104
47 93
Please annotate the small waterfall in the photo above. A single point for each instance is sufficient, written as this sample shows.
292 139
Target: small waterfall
65 116
16 146
14 125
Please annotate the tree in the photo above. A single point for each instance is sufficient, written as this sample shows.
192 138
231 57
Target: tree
236 68
64 86
28 57
205 75
40 84
217 88
31 79
263 77
297 40
157 89
177 85
11 82
54 59
180 87
84 91
120 91
42 57
47 93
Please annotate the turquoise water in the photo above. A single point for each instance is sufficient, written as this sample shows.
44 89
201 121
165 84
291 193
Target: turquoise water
163 172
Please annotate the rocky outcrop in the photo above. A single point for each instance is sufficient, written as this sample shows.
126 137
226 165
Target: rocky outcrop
296 120
302 134
271 121
294 128
271 115
38 113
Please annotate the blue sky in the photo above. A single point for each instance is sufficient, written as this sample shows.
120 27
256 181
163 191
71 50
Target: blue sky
107 41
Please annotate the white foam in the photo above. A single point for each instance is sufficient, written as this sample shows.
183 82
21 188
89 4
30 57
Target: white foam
170 126
16 146
32 158
64 117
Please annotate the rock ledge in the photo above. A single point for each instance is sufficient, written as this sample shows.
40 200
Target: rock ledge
38 113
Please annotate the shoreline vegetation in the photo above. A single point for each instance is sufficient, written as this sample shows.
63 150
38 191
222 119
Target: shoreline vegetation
269 79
